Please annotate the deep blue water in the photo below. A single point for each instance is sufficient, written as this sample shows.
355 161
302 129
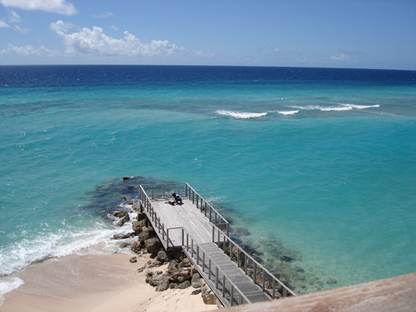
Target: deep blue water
319 163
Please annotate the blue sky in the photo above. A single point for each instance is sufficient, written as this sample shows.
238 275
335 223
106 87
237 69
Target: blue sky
350 33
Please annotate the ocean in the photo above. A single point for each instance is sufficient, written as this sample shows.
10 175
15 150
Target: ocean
316 167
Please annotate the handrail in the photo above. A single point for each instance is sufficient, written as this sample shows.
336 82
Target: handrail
218 270
203 204
286 290
153 217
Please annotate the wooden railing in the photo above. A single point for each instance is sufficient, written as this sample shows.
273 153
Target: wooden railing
154 218
206 208
269 283
220 283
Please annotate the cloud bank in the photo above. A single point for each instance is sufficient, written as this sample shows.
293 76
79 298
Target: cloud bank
95 41
53 6
25 50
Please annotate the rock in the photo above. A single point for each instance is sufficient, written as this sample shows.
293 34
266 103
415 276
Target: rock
184 284
123 244
133 260
123 235
154 263
196 280
185 263
163 283
196 291
287 258
242 231
123 220
152 246
120 213
172 266
208 296
141 216
141 269
162 256
147 232
331 281
137 226
136 247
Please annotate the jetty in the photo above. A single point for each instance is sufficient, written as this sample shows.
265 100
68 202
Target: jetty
203 234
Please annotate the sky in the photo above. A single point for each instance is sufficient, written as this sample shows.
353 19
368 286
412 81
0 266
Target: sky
311 33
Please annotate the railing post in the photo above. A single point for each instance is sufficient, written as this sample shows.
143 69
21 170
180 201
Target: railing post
232 294
216 277
197 200
209 269
210 213
264 280
197 254
223 285
163 231
273 288
192 248
186 190
213 234
218 232
183 236
187 242
205 209
255 273
203 261
167 238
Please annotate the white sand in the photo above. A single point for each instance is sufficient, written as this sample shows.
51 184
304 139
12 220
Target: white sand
95 283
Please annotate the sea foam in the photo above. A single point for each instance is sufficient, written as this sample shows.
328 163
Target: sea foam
241 115
288 112
341 107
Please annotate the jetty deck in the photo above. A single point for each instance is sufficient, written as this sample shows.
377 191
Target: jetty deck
202 233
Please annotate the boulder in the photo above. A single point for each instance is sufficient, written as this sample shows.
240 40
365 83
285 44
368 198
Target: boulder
133 259
137 226
136 247
120 213
141 216
196 291
163 283
152 246
196 280
184 284
172 266
123 235
185 263
147 232
208 296
123 220
162 256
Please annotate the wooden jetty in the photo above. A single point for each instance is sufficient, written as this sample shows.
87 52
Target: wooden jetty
203 234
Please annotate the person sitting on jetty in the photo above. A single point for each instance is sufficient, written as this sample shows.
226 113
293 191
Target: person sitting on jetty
177 198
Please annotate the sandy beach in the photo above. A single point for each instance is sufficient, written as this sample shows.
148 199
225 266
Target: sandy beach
95 283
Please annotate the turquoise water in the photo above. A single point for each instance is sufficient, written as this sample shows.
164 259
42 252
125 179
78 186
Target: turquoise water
333 182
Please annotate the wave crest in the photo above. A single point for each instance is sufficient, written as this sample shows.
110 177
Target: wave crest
241 115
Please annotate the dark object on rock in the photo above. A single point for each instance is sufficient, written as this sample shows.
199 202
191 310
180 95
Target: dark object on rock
152 246
133 260
184 284
120 213
331 281
123 235
162 256
123 220
125 178
196 291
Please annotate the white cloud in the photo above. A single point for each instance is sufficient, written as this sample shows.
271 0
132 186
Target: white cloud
25 50
53 6
95 41
3 24
204 53
14 17
341 56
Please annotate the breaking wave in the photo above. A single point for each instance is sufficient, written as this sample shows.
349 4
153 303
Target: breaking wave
341 107
241 115
288 112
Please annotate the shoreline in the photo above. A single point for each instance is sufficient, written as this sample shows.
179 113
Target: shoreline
95 282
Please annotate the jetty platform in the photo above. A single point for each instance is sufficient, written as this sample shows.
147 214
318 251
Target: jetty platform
202 233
